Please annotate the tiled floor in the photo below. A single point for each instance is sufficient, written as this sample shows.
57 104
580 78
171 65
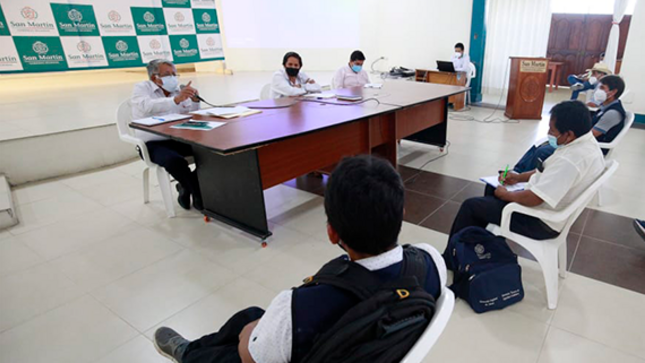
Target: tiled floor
91 280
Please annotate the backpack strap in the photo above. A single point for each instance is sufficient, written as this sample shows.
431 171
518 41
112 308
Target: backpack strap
348 276
415 264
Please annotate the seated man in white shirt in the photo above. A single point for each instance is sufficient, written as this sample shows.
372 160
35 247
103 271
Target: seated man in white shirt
576 163
353 74
290 81
161 95
460 60
364 205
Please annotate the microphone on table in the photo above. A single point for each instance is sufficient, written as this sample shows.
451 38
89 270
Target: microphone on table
182 86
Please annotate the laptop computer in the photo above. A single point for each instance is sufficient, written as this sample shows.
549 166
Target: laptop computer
445 66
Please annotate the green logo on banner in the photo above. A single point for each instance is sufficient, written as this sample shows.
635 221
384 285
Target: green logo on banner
149 21
122 51
4 29
41 53
206 20
184 48
75 20
175 3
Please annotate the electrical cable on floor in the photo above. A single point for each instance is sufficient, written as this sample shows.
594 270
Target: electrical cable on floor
447 151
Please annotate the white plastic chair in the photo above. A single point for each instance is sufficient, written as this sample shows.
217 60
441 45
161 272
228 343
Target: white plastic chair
629 121
445 305
552 252
472 73
123 117
265 93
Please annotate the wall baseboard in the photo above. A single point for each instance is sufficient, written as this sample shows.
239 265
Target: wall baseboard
640 119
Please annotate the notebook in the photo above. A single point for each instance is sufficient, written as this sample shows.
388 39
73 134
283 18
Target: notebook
156 120
493 181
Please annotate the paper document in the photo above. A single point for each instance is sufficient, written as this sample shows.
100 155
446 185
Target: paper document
373 85
320 95
227 112
155 120
493 181
198 125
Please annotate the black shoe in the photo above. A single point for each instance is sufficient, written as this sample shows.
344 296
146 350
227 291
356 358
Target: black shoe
198 203
640 227
170 344
184 197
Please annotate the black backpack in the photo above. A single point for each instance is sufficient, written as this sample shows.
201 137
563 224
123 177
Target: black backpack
387 321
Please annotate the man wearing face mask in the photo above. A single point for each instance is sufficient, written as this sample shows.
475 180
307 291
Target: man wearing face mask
162 95
576 163
607 122
588 81
290 81
460 60
353 74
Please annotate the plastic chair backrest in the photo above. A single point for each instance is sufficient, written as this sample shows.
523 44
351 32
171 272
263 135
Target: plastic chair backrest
265 93
587 195
444 307
629 121
123 118
472 70
333 83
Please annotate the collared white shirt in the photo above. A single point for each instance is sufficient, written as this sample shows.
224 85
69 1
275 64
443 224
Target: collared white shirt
149 100
271 340
461 64
567 174
345 77
281 86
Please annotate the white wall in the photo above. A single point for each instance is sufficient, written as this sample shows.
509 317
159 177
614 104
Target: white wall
632 69
410 33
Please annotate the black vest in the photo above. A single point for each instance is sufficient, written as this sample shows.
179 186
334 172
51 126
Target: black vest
611 134
315 309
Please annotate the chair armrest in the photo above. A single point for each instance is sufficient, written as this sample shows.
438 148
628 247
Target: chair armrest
511 208
139 143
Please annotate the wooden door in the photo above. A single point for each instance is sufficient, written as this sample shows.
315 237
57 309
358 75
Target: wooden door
578 39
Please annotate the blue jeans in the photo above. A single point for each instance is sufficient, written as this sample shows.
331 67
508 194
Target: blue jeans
573 80
530 161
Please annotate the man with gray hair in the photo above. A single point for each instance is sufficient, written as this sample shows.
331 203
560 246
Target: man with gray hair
161 95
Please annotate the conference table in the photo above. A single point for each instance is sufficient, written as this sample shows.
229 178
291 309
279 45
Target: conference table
294 136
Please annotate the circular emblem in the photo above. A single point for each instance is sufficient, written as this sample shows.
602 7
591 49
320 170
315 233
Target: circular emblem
206 18
114 16
479 249
210 41
84 46
154 44
184 43
75 15
28 13
148 17
121 46
179 17
40 47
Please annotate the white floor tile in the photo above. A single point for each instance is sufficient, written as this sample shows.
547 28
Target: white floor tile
114 192
159 291
153 212
109 260
602 313
32 292
35 192
308 218
75 232
563 347
95 178
137 350
79 332
16 257
4 234
281 199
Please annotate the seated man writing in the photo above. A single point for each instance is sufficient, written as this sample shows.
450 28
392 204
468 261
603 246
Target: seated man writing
607 123
364 206
161 95
576 163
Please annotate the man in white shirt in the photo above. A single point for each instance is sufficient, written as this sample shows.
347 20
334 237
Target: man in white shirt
576 163
460 60
290 81
364 206
158 96
353 74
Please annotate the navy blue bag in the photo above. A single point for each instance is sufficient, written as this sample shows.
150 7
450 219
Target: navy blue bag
486 272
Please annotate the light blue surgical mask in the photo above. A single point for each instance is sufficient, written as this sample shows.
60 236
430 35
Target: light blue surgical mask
356 68
553 141
170 83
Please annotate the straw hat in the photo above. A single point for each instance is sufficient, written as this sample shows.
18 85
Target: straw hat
600 67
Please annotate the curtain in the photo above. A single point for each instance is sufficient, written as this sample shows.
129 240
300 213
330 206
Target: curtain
620 6
514 28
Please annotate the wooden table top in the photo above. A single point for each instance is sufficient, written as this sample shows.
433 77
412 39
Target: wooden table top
301 117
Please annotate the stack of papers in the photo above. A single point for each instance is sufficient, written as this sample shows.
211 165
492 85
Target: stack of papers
198 125
374 85
493 181
156 120
227 112
320 95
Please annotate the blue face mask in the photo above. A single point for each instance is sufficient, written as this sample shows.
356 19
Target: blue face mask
356 68
553 141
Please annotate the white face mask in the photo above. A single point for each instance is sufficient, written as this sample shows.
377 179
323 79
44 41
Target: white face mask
593 80
600 96
170 83
458 55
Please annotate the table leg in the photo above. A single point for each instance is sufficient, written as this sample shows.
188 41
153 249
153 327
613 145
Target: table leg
231 189
557 77
552 80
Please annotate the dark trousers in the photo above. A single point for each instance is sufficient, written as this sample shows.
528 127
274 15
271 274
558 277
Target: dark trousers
573 80
481 211
221 347
530 160
171 155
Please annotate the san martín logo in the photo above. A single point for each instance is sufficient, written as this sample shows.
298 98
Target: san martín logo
155 44
84 46
210 41
150 25
122 53
41 49
30 24
179 17
86 53
75 15
206 18
114 16
207 23
149 17
76 22
115 25
184 51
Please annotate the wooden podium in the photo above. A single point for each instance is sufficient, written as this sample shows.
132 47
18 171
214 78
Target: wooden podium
453 79
527 88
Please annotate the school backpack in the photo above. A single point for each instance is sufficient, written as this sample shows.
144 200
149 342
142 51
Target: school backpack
486 273
387 321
